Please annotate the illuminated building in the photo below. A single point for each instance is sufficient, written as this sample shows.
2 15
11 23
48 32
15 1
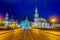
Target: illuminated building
25 24
18 26
13 23
40 22
2 24
7 21
57 26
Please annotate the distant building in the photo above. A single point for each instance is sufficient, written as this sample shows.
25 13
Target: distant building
13 23
40 22
25 24
7 21
57 26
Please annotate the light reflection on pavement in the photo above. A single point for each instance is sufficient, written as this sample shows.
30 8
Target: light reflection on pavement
30 34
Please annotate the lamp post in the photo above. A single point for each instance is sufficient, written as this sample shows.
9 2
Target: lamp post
53 20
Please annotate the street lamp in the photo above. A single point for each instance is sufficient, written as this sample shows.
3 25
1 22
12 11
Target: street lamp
53 20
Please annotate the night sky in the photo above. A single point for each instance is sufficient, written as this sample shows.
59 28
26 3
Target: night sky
20 9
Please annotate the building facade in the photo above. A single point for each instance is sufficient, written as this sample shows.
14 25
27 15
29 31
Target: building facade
40 22
25 24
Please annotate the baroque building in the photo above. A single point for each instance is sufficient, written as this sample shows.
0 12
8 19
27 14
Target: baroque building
40 22
7 21
25 24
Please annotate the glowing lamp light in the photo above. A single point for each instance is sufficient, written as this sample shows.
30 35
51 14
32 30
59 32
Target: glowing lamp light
53 20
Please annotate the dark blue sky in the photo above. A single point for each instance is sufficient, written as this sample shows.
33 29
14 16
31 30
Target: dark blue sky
22 8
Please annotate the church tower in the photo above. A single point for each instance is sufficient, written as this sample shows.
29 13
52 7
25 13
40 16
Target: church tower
6 17
36 19
6 20
36 15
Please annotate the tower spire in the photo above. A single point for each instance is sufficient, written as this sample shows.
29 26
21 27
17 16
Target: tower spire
26 18
36 13
36 10
6 16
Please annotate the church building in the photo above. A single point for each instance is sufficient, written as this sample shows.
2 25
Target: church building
40 22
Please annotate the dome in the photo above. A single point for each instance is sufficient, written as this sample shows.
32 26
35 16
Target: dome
25 24
42 20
